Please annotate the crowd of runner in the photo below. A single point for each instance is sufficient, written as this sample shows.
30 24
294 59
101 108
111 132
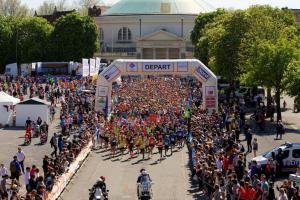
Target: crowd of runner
142 120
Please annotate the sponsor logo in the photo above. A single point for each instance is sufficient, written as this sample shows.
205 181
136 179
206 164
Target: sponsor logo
203 73
132 65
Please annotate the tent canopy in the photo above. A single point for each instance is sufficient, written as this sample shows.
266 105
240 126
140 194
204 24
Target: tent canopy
34 101
7 99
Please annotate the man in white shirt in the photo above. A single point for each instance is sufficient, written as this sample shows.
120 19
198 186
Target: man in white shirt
21 158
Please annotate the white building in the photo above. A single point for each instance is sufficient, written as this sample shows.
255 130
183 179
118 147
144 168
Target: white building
149 29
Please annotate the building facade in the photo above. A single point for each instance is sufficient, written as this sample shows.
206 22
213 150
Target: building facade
149 29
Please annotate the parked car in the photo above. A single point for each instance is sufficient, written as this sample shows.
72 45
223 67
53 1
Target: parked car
291 158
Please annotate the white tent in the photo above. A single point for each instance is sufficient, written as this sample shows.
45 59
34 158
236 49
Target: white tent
6 113
32 108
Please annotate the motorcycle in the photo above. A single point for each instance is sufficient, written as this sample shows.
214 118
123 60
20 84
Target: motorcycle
43 137
97 194
145 191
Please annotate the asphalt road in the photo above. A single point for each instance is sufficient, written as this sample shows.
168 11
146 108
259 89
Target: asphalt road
170 177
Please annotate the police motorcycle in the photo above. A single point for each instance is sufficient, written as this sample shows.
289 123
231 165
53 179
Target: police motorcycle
144 186
99 192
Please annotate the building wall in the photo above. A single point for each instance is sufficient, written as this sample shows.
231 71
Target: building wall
149 24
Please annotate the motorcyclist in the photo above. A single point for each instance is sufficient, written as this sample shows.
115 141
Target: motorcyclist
144 177
99 184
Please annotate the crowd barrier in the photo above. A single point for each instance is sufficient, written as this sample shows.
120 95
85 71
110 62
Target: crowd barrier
64 179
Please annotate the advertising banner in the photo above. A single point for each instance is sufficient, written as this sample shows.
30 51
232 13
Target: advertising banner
92 67
158 67
111 73
85 67
98 63
210 97
202 73
39 67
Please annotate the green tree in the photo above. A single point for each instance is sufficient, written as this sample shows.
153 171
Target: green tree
292 79
265 24
220 43
7 42
199 41
33 36
75 37
272 59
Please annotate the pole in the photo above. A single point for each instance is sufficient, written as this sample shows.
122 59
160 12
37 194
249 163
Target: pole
17 46
112 41
140 28
181 27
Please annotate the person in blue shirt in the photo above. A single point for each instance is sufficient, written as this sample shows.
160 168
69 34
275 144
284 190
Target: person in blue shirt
167 143
15 169
173 141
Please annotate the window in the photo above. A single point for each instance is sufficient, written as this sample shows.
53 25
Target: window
296 153
101 34
124 34
285 154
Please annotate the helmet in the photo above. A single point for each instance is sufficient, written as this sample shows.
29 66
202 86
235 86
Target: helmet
102 178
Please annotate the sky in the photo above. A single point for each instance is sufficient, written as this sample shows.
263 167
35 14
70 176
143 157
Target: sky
295 4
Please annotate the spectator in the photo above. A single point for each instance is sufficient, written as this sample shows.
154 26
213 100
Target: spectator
3 171
54 144
21 158
248 135
3 189
26 178
282 195
15 169
255 146
279 130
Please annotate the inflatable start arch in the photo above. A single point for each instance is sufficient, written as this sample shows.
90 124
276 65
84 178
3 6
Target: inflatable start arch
183 67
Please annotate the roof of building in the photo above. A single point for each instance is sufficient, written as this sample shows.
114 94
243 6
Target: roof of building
150 7
55 15
35 101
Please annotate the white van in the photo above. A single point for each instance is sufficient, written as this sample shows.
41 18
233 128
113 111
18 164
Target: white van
291 160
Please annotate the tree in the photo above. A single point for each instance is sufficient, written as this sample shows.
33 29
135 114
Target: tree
49 6
46 8
219 45
13 8
7 42
200 42
86 4
265 24
292 79
272 59
33 39
75 37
